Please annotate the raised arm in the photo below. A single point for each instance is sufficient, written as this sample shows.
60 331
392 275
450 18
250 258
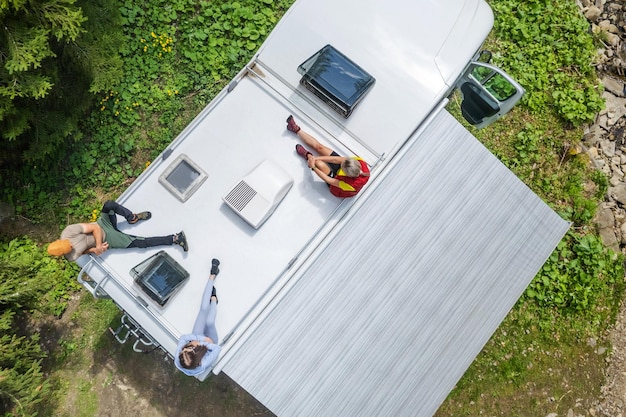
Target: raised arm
324 177
96 231
331 159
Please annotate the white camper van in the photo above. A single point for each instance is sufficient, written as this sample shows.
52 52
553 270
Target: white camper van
371 305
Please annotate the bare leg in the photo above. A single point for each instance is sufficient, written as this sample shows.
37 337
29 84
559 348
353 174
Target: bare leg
322 150
312 143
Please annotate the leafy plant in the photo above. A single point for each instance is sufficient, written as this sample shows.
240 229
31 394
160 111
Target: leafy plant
549 50
29 280
579 275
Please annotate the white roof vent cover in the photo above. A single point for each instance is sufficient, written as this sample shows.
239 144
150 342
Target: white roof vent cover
258 194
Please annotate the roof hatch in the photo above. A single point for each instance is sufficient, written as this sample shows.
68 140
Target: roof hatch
335 79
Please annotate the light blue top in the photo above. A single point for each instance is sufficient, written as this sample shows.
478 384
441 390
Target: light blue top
208 359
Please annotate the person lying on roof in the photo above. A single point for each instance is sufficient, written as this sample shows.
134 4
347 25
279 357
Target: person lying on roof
197 352
95 238
345 176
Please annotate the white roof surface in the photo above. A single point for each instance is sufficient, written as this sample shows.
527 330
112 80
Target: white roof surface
227 148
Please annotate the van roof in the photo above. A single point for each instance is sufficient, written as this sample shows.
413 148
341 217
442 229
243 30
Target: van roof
414 50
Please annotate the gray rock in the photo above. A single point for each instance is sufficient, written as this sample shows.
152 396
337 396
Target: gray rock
615 107
614 86
593 13
607 26
623 232
593 136
619 193
609 239
613 39
603 120
604 218
615 180
617 171
607 147
613 7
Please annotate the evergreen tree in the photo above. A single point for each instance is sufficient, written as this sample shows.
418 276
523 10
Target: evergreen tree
54 54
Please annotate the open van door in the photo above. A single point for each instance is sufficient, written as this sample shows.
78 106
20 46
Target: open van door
488 93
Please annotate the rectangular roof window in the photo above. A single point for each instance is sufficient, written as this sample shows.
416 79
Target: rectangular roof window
159 276
183 177
335 79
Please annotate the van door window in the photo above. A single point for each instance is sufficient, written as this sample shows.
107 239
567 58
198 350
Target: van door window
488 93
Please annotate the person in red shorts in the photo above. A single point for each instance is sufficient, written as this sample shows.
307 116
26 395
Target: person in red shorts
345 176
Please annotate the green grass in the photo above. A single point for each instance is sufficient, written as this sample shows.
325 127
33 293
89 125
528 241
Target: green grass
81 338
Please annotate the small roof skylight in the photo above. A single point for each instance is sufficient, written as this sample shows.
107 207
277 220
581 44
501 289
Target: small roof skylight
183 177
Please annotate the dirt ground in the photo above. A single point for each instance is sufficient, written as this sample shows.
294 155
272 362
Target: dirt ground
614 389
122 382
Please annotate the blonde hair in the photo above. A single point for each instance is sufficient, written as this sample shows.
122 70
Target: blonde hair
351 167
191 355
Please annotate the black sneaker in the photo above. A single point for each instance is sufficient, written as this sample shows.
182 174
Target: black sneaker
144 215
214 267
214 294
181 240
